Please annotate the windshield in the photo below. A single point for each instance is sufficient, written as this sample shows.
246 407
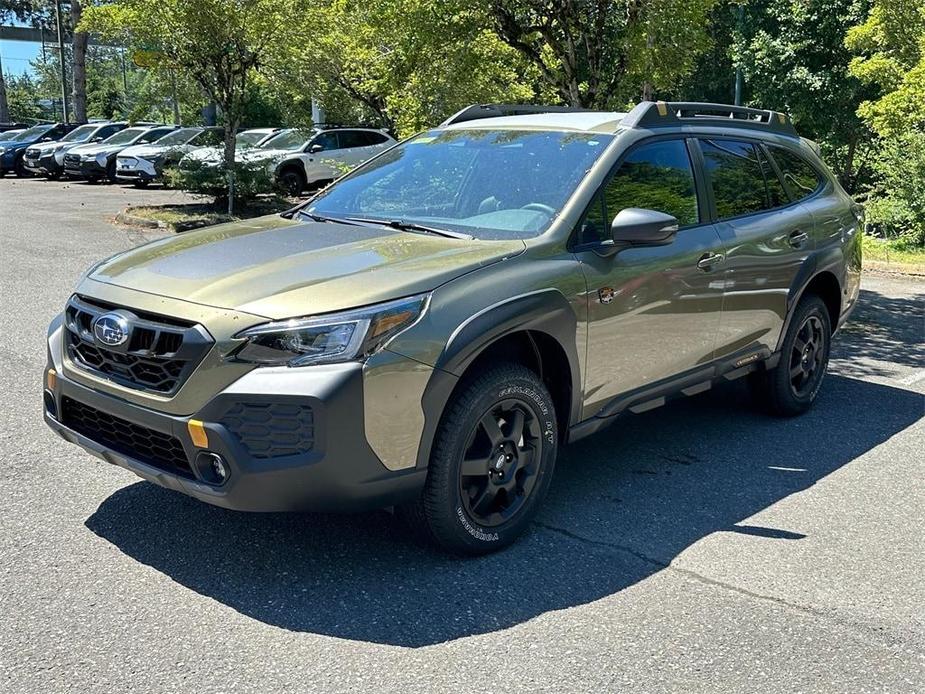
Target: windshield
32 133
179 137
492 184
124 137
250 138
288 139
79 134
9 135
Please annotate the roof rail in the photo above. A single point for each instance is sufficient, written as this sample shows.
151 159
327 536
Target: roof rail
653 114
478 111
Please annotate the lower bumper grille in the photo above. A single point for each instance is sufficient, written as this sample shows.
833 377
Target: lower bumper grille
155 448
272 430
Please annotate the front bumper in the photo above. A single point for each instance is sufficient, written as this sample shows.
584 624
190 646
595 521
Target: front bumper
84 169
43 166
136 170
339 472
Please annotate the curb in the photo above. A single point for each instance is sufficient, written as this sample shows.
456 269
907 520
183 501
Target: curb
131 220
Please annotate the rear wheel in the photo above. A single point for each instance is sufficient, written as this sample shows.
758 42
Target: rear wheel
492 462
791 387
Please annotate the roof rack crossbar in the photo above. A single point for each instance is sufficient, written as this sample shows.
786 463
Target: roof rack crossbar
652 114
479 111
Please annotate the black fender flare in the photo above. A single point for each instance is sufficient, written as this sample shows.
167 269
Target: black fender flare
545 311
816 263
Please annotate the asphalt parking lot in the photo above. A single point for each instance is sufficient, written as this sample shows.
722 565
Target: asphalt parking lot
701 547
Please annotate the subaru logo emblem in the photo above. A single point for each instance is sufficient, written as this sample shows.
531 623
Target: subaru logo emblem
111 329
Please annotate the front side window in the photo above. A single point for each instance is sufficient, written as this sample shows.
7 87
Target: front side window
153 135
801 179
208 138
655 176
327 140
737 174
492 184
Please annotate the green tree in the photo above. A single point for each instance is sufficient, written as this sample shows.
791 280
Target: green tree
890 45
216 43
605 53
793 56
406 64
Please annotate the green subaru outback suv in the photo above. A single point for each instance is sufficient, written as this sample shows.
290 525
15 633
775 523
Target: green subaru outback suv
426 333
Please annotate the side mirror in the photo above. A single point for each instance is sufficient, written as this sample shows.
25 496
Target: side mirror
45 139
314 149
635 226
96 138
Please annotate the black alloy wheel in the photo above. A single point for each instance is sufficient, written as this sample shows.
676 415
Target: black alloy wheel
499 468
807 356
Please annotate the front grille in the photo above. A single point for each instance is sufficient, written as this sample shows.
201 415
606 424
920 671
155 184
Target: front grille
271 430
155 448
159 355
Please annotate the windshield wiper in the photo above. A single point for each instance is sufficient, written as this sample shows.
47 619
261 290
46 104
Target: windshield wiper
321 218
402 225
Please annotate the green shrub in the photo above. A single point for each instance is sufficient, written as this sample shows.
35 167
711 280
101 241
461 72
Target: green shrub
896 206
251 179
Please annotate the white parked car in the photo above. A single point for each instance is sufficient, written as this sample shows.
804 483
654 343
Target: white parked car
244 140
308 158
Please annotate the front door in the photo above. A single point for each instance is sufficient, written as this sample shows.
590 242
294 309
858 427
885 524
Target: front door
653 312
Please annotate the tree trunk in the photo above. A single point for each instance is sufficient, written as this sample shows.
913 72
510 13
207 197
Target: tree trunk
230 132
4 107
78 64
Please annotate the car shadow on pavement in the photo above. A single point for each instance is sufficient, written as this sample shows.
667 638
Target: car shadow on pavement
622 505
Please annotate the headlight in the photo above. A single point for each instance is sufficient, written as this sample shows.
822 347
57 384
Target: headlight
101 158
336 337
87 157
59 155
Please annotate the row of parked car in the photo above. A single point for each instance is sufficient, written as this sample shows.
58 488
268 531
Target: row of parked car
139 153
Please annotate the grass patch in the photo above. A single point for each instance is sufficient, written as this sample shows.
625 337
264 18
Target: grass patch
197 215
895 255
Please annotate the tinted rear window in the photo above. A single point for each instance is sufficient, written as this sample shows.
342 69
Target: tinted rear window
802 180
737 172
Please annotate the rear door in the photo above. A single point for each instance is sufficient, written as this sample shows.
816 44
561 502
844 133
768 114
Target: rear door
767 237
653 312
354 146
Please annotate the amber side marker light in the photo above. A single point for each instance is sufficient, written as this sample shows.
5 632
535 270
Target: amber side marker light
197 432
51 379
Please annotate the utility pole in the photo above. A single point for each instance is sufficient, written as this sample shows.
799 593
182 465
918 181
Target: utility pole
740 27
61 62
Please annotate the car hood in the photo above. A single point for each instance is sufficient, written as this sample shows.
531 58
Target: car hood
258 154
94 148
147 151
282 268
49 147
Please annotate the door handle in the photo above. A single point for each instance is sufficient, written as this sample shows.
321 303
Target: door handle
797 238
708 260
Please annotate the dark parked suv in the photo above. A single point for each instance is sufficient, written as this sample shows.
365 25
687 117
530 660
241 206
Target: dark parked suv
426 332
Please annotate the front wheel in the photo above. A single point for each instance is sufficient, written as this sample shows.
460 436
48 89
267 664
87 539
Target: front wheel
791 387
492 462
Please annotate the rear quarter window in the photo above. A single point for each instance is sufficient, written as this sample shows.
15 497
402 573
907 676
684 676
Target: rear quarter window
800 177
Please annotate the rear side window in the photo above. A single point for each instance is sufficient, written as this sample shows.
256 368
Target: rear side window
802 180
742 179
352 138
656 176
374 138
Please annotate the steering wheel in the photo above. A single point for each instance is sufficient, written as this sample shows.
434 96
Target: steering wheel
540 207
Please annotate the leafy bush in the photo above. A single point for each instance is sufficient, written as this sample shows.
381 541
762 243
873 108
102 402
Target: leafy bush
251 179
896 207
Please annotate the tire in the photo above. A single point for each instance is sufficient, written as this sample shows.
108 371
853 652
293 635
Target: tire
141 183
790 388
292 182
482 512
21 170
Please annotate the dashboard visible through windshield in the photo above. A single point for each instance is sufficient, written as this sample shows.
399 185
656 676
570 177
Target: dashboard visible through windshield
491 184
